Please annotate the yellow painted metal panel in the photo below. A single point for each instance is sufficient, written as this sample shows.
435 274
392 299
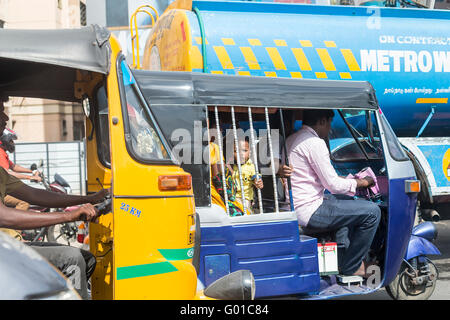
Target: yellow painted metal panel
196 58
280 43
326 59
321 75
276 58
302 61
432 100
270 74
305 43
228 41
296 75
350 59
330 44
223 57
199 40
345 75
250 58
254 42
174 43
144 222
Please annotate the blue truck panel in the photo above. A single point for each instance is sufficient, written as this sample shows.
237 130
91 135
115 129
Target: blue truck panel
407 62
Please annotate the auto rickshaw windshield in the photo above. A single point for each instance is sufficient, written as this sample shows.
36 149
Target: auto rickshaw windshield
145 140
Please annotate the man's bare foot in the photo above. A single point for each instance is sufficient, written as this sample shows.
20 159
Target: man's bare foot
361 270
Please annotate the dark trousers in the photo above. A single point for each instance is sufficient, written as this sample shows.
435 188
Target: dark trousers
355 223
76 264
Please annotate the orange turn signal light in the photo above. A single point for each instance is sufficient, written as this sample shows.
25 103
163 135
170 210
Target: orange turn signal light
175 183
412 186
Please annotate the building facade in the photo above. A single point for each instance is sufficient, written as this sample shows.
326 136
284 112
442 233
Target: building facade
43 120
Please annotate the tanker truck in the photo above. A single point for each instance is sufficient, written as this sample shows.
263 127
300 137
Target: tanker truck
403 53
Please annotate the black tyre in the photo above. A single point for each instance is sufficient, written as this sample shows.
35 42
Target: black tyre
401 288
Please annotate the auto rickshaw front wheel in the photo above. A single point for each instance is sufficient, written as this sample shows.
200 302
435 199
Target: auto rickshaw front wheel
414 281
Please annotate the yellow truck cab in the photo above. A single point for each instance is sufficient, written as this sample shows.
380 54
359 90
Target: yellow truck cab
145 245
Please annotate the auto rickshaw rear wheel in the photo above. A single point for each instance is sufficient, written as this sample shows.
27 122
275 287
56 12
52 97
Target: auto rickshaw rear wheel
409 284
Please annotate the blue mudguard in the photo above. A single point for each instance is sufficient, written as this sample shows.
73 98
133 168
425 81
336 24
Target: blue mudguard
419 246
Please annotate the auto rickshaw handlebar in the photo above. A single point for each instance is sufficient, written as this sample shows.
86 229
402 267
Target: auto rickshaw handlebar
104 207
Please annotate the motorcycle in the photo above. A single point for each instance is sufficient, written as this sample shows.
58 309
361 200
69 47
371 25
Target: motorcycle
65 233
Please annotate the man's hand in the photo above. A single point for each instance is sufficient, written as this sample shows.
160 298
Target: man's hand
86 212
258 183
36 177
365 182
99 196
285 171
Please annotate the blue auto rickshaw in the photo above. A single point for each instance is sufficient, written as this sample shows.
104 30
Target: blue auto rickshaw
282 258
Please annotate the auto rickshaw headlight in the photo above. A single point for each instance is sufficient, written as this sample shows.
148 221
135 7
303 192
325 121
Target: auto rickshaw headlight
239 285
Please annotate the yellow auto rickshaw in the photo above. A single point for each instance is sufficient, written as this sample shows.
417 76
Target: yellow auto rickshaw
145 247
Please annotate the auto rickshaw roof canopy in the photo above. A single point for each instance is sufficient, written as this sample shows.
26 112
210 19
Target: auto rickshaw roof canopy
43 63
198 88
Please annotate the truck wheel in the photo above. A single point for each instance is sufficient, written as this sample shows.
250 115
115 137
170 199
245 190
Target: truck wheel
404 288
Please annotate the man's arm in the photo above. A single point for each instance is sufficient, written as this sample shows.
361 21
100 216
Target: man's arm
50 199
319 159
20 169
23 220
23 176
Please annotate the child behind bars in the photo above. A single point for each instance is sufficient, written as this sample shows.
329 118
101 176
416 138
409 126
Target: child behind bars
250 179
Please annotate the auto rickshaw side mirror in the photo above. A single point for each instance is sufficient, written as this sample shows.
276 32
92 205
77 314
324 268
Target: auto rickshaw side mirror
86 106
239 285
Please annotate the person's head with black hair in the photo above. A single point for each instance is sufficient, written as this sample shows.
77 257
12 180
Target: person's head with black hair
288 120
319 120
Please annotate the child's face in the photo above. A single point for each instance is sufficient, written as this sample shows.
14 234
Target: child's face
244 152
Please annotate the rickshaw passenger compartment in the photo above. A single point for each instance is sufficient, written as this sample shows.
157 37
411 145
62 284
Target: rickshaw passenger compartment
269 245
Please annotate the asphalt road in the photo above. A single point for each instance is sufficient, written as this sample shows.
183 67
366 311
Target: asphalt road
442 291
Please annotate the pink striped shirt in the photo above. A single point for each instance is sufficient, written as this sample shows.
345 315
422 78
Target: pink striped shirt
313 173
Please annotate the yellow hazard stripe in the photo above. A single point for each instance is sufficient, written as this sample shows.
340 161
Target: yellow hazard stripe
224 58
305 43
270 74
326 59
330 44
301 59
250 58
280 43
345 75
254 42
276 58
432 100
196 58
296 75
228 41
350 59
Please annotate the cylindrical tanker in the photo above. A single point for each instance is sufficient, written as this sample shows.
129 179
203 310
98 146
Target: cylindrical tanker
403 53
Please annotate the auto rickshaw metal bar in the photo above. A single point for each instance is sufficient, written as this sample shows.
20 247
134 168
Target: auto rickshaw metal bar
238 158
255 158
272 162
222 162
286 159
